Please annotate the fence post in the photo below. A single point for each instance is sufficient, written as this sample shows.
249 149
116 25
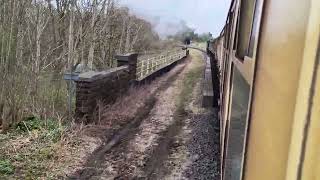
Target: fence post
131 60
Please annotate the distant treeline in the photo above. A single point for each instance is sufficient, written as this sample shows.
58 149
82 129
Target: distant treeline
189 33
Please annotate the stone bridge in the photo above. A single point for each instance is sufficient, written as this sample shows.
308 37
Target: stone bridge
101 88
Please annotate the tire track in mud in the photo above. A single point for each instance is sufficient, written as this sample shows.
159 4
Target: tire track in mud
158 165
92 167
155 167
117 146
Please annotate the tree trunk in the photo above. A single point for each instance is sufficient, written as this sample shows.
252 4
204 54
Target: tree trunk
127 46
93 35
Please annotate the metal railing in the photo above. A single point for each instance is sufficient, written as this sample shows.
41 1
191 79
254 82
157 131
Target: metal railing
147 65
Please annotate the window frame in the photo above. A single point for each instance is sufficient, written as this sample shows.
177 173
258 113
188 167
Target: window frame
252 36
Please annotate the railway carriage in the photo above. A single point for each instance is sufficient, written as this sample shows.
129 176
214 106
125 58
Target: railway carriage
268 54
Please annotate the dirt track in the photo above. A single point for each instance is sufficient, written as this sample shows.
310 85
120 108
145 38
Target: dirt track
170 137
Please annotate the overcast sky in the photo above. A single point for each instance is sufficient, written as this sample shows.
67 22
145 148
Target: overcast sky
203 15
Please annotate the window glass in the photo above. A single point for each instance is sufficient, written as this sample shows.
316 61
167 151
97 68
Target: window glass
245 24
237 127
226 37
236 35
255 27
231 24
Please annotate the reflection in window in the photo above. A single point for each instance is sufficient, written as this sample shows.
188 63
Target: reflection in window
238 123
255 26
236 35
245 24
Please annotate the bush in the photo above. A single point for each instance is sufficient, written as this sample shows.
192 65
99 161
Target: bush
6 167
50 129
29 124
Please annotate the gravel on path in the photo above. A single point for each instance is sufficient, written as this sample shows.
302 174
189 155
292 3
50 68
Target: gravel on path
203 147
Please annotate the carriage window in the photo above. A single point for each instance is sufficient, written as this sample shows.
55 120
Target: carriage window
245 24
227 31
255 27
236 35
237 126
231 30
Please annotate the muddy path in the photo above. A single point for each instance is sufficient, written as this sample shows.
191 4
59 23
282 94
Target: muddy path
94 167
155 167
155 144
189 147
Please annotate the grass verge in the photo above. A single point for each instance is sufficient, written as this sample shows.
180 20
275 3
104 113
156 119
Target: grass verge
35 149
190 80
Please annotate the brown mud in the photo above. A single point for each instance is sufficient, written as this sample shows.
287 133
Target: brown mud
119 141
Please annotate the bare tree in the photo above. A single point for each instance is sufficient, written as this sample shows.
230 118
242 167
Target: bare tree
42 39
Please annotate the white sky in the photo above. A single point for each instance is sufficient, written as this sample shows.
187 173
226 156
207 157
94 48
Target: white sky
203 15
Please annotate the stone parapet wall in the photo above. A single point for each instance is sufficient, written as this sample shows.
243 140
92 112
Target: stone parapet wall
96 89
99 87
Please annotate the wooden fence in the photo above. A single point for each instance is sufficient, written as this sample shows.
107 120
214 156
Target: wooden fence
147 65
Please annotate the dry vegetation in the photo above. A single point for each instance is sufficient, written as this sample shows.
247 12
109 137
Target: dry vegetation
40 40
51 149
44 151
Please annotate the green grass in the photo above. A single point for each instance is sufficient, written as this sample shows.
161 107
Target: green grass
34 140
50 129
190 80
6 167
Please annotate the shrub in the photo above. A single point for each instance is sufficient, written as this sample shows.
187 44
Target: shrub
29 124
6 167
50 128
